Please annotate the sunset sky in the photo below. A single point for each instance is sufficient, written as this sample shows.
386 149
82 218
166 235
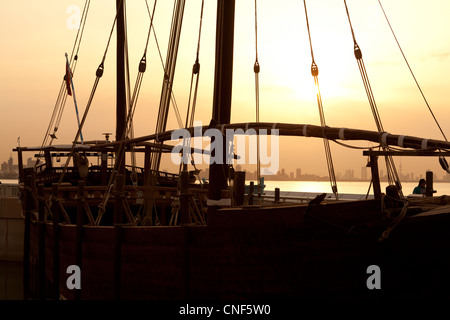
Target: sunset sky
35 35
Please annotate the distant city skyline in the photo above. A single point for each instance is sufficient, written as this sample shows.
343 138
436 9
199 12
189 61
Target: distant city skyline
9 170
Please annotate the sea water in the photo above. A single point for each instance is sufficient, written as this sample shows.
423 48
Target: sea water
349 187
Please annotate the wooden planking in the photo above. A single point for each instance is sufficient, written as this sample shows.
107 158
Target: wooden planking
253 256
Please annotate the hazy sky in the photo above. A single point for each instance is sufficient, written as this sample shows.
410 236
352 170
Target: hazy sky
35 35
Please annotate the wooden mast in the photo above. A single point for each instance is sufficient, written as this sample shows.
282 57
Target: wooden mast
121 108
121 115
221 113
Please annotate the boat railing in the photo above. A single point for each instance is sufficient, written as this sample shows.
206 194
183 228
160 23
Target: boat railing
9 190
69 198
40 168
130 192
164 174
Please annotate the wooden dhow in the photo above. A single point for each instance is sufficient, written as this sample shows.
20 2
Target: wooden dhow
138 233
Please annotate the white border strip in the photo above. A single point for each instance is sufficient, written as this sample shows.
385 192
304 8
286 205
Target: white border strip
384 138
341 134
425 144
400 141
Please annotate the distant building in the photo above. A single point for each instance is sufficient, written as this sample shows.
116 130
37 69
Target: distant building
10 165
364 173
8 169
30 163
349 174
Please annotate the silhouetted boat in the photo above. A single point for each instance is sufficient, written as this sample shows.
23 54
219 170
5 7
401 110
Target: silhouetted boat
139 233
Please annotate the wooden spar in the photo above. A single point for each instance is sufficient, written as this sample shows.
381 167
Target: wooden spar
89 150
223 79
306 130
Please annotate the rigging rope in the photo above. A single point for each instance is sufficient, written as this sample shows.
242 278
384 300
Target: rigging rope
412 73
193 210
98 75
256 69
315 74
192 97
390 165
177 111
58 109
69 75
129 120
196 74
442 160
166 94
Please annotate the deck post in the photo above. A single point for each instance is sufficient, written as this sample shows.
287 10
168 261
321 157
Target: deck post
184 198
20 164
147 163
104 168
56 260
375 177
250 193
41 241
277 195
118 218
79 232
27 206
185 262
239 188
48 160
429 188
